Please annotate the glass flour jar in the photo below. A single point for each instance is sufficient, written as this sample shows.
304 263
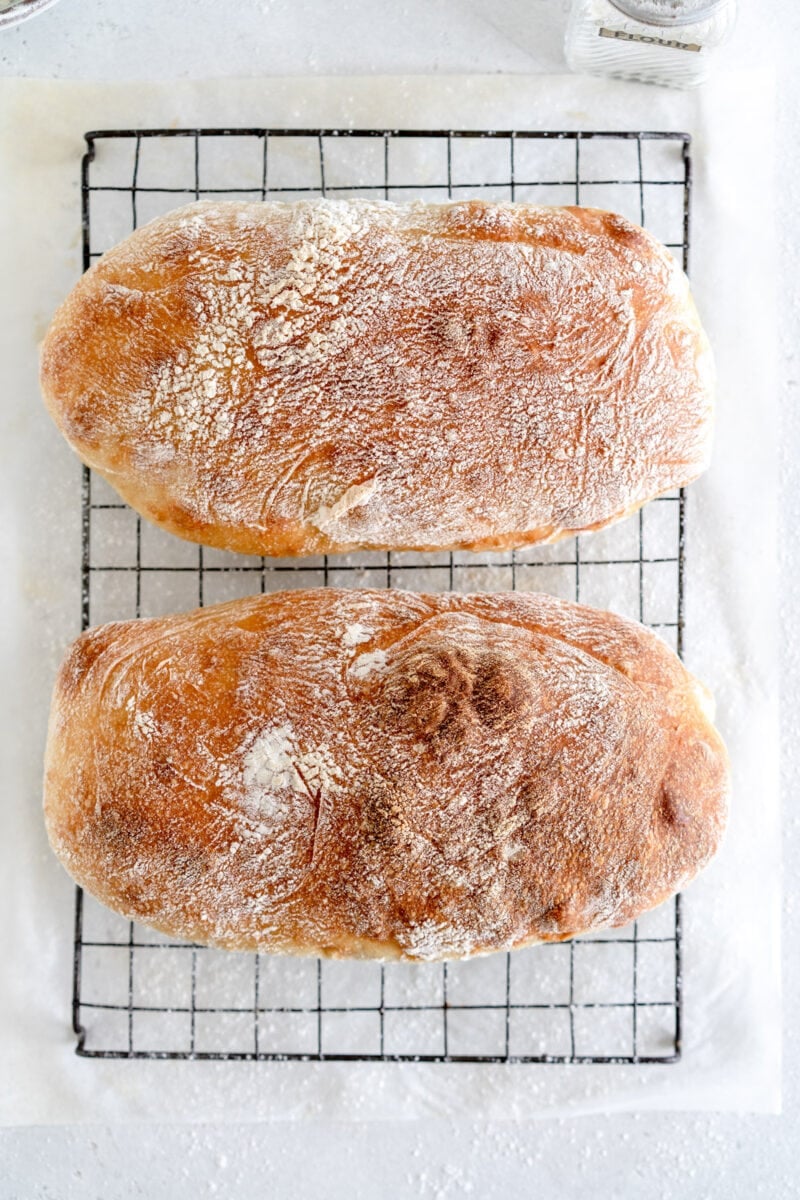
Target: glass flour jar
659 41
14 11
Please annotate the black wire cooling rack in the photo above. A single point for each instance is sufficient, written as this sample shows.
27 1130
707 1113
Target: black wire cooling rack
615 997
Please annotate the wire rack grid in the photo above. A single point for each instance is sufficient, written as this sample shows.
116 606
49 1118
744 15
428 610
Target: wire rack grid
609 998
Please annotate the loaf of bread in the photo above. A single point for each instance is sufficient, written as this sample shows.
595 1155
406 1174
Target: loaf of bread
381 773
293 379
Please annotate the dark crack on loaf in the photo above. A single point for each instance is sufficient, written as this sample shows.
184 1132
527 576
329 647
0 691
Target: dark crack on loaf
448 695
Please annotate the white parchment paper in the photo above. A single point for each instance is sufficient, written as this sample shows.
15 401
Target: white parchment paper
731 1054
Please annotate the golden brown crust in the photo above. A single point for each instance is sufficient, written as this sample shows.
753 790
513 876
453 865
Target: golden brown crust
381 773
305 378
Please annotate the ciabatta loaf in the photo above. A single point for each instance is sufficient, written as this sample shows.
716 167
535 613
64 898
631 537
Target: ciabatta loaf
381 774
295 379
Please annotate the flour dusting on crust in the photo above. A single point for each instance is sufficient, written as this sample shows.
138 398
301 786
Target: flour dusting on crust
325 375
367 664
273 763
355 634
468 774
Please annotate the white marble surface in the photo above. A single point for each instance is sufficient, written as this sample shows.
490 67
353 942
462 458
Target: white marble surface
622 1156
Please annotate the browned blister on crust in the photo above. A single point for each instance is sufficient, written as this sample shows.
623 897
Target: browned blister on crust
382 774
290 379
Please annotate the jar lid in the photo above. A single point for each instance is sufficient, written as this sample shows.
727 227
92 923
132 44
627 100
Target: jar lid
668 12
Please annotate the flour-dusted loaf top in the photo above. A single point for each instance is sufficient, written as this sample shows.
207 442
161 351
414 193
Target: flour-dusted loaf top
381 773
325 375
